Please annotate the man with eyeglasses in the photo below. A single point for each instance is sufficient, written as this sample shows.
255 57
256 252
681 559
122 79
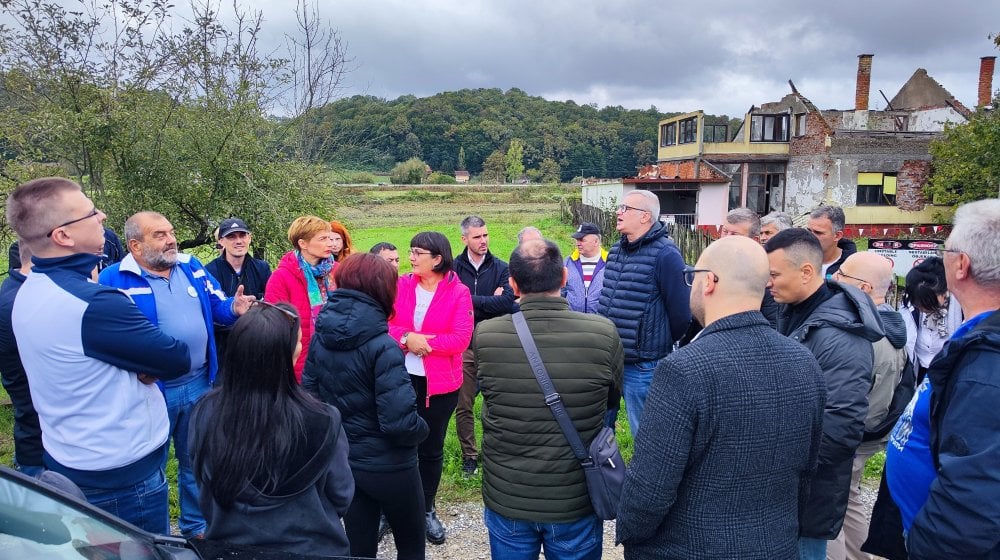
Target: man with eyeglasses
838 323
954 510
644 295
872 274
176 293
91 357
727 427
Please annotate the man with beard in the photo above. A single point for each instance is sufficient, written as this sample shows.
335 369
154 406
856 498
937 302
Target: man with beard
173 290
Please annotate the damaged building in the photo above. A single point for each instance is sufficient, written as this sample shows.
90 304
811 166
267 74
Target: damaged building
788 155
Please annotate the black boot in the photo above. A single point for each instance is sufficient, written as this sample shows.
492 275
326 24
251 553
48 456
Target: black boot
435 530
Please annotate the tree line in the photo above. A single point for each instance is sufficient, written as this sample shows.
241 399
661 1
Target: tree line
475 129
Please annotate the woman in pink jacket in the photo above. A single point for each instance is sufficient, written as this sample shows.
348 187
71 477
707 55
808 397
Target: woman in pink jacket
304 276
433 325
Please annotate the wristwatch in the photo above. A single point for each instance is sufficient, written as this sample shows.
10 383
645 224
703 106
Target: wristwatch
402 339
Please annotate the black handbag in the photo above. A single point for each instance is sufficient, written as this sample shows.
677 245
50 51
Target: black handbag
603 466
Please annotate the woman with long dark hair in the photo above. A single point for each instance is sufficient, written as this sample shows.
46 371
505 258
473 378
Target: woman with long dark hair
270 460
433 325
356 366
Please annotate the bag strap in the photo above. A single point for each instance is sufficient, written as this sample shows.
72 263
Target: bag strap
552 398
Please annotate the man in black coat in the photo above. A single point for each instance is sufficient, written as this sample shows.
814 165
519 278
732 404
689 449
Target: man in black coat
487 279
838 324
731 428
235 267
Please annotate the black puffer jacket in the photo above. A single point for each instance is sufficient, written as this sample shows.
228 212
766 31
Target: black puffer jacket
354 365
840 333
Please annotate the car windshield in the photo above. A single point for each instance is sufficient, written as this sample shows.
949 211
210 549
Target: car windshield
36 525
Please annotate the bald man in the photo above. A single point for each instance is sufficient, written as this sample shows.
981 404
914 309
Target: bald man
732 423
872 274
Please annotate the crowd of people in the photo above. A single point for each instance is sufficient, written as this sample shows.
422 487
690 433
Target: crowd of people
308 406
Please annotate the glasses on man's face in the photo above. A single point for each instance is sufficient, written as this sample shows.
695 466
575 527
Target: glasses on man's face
690 272
417 252
92 213
622 208
841 274
940 251
292 317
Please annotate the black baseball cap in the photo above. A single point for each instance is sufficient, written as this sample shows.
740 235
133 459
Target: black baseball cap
232 225
586 228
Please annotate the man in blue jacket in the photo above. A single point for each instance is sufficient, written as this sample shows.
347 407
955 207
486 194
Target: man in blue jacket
173 290
585 269
961 515
644 295
91 358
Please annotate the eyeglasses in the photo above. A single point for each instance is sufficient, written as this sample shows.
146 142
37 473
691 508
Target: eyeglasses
417 252
92 213
690 272
940 251
622 208
841 273
292 317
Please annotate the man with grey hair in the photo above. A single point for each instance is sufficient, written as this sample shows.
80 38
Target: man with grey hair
957 510
644 295
827 224
176 293
487 278
741 221
772 223
104 423
528 233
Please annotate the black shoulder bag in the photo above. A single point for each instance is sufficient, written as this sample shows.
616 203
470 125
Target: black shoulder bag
603 466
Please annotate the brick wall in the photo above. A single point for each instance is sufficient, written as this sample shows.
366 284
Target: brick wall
910 184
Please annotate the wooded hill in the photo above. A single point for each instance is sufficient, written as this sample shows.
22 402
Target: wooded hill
573 140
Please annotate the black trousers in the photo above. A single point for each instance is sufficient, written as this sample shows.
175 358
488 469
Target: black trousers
430 453
399 495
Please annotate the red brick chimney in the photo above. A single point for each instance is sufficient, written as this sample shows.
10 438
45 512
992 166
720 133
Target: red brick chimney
864 82
986 65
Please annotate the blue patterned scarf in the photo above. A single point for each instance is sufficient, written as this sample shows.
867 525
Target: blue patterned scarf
321 271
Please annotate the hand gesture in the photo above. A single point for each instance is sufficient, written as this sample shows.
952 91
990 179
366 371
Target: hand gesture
241 303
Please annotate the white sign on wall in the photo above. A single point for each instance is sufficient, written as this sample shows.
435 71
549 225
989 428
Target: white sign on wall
905 253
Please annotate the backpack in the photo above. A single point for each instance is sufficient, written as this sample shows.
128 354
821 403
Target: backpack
901 397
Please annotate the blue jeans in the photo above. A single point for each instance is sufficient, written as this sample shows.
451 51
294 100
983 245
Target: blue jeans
180 403
143 505
812 549
512 539
638 376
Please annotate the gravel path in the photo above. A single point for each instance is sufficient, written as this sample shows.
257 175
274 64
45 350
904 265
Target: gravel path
467 537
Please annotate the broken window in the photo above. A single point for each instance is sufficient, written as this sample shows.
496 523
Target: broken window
876 189
668 134
769 128
800 124
689 131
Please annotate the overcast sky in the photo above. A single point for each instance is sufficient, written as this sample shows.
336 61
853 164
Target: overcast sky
721 56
